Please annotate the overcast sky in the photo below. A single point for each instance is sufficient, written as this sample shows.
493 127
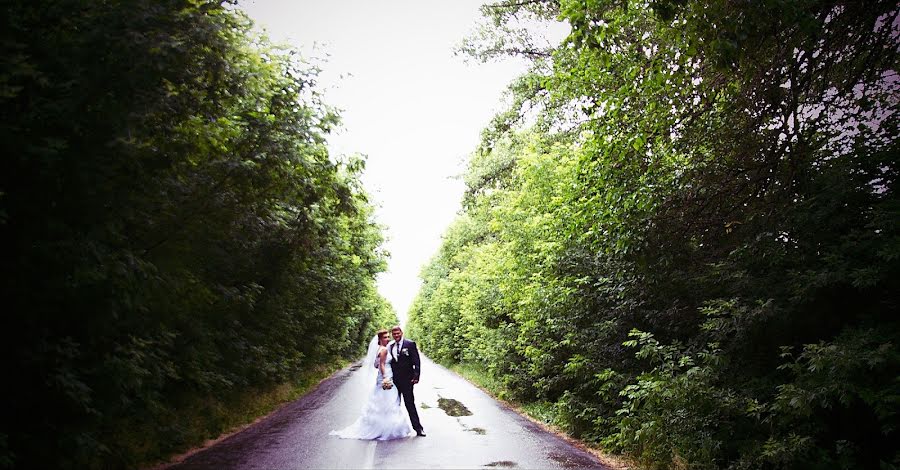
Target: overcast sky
407 103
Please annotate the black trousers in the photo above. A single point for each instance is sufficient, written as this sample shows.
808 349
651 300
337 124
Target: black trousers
406 391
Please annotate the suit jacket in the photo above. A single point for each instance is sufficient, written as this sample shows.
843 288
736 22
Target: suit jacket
405 363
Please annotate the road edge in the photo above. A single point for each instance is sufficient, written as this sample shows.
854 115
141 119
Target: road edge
614 462
179 458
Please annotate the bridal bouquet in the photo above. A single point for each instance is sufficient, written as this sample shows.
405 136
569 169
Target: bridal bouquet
387 384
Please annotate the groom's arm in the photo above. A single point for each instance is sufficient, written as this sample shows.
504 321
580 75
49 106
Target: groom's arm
417 365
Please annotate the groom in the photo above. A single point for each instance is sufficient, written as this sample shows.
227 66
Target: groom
406 367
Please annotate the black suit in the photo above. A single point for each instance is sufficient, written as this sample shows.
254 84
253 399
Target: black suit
406 366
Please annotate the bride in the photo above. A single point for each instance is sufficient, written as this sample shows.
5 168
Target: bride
382 416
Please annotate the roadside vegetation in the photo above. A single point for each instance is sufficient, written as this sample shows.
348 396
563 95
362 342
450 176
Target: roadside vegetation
682 240
180 252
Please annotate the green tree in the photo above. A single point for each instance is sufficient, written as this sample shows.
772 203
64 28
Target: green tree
175 232
690 254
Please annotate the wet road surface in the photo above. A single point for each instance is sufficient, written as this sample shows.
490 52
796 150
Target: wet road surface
296 436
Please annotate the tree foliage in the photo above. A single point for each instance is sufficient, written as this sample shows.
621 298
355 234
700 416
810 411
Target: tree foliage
691 252
174 230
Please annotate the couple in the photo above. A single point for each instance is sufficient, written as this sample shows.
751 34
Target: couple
394 370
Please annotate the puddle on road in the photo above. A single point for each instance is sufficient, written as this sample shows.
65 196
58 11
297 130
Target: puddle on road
479 431
355 367
453 407
567 461
503 464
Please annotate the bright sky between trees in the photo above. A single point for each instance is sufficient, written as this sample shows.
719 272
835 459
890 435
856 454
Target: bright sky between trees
407 103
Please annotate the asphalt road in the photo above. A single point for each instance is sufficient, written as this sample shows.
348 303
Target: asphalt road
296 436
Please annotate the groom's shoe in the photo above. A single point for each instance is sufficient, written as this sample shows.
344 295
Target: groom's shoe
420 433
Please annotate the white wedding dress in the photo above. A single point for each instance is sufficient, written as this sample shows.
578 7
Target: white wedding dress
382 416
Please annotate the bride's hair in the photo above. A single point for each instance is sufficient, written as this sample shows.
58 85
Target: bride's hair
381 333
